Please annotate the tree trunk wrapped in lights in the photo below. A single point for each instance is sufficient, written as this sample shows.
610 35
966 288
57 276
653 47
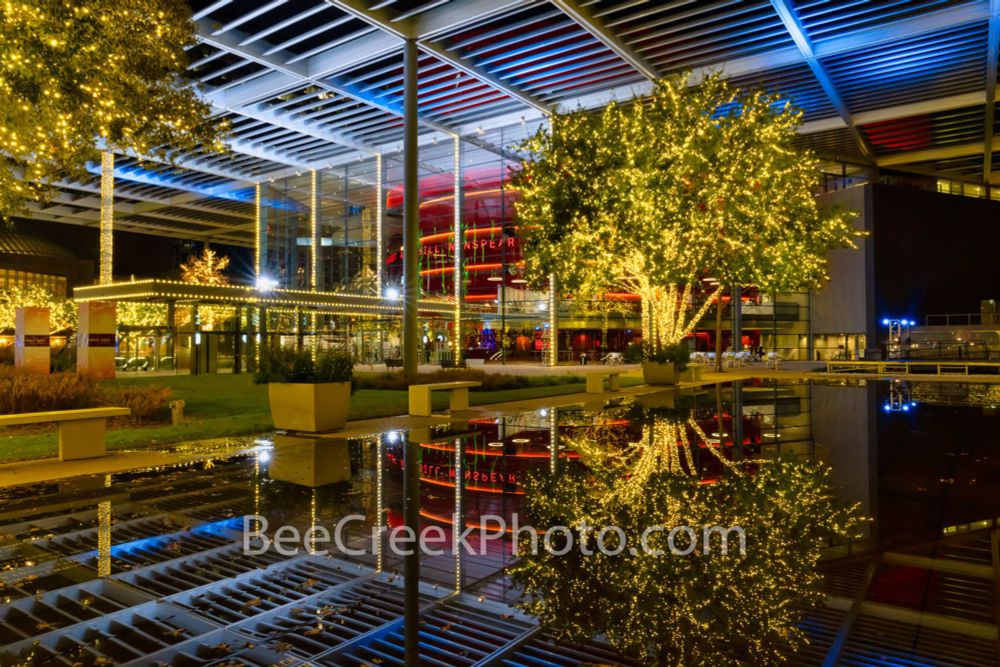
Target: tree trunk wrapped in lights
658 195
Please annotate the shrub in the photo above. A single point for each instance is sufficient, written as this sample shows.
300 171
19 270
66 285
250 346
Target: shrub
21 391
490 381
679 354
633 353
148 403
285 364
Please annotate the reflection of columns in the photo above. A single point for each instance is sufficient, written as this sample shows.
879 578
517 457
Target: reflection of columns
379 506
459 522
737 427
459 239
553 323
411 219
411 520
379 220
313 521
553 440
104 538
107 215
316 247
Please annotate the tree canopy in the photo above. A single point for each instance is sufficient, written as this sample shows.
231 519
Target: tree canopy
79 76
660 193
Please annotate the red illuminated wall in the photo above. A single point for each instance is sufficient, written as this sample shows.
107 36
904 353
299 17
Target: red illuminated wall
488 206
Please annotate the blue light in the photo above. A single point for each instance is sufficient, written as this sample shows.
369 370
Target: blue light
913 404
906 408
885 321
887 407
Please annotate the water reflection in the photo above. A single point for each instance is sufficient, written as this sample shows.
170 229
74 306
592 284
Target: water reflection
689 600
761 453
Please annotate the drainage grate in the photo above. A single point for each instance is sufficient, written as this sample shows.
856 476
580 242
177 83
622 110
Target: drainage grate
68 606
222 648
545 651
116 638
456 633
331 619
149 551
128 531
170 578
256 593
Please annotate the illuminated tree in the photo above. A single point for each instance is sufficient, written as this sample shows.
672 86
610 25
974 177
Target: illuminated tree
684 184
73 74
758 221
62 312
141 314
208 268
707 607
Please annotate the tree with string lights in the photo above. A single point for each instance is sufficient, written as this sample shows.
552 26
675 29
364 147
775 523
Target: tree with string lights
80 77
656 196
698 605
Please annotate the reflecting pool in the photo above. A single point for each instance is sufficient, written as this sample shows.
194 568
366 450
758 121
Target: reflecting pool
158 567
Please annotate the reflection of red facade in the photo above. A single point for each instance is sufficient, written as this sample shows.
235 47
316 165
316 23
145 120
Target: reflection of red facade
488 205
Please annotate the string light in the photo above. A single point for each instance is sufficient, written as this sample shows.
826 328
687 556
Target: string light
107 217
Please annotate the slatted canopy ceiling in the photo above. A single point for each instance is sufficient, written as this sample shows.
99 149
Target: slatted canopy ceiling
312 84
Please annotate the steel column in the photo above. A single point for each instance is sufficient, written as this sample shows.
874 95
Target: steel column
411 213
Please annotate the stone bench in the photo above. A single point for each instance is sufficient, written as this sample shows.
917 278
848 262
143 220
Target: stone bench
595 381
81 432
420 396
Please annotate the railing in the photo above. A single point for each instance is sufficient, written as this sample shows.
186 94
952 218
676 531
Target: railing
951 350
915 367
954 319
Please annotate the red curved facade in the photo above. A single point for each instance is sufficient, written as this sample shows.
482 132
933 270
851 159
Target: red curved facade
488 206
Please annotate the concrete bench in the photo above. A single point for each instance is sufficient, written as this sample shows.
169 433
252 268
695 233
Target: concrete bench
595 381
420 396
81 432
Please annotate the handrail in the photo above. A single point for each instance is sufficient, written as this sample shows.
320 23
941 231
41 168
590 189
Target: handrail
907 367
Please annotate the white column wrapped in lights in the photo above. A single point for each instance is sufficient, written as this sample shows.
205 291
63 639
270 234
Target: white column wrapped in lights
315 248
107 217
314 230
379 220
458 241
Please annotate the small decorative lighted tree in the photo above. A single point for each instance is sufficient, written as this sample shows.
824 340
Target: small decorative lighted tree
208 268
79 77
62 311
709 607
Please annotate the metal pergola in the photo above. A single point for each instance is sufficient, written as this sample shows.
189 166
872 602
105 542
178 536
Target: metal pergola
908 85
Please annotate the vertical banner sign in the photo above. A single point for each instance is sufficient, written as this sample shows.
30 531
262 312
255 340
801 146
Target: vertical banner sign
95 339
31 339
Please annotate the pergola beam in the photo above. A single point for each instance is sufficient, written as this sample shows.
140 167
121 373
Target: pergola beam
596 27
992 49
790 19
385 21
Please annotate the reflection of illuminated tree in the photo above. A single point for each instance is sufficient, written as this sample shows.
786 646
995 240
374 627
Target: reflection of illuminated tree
698 609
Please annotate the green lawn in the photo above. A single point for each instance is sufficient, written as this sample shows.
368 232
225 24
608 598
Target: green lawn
229 405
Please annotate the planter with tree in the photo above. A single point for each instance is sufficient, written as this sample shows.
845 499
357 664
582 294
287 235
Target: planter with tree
306 393
665 365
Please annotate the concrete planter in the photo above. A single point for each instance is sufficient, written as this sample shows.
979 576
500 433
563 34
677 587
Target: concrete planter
657 373
475 363
311 408
692 373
